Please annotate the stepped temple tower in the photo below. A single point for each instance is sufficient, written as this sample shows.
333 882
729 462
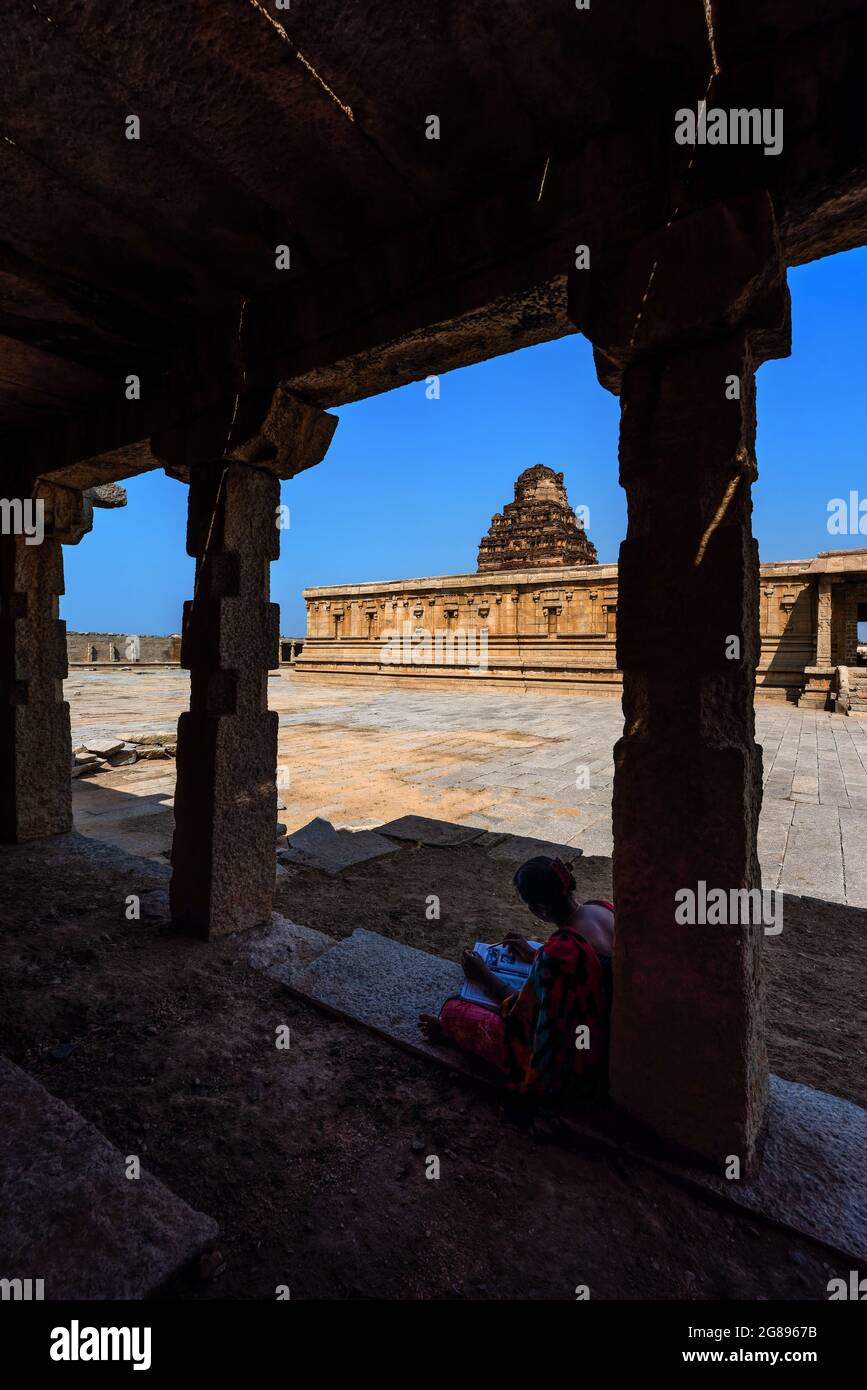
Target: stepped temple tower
538 529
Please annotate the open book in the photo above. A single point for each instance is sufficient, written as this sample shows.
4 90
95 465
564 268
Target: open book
500 960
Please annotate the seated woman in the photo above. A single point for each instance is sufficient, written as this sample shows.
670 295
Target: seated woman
550 1041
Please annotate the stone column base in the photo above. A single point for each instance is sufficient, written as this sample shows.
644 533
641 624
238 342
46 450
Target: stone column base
817 690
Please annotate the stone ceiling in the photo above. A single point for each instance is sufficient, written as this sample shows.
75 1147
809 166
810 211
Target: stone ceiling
306 127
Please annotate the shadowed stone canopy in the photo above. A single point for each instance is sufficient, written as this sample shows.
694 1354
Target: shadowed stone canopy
261 126
538 529
221 218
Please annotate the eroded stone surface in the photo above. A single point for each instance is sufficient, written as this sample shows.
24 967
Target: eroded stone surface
68 1212
382 984
284 950
813 1173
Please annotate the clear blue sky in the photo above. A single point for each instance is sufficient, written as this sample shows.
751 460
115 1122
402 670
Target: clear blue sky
409 485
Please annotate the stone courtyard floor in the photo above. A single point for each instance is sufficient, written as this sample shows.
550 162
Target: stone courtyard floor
531 764
312 1159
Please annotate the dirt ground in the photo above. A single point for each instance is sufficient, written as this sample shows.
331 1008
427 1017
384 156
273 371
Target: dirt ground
313 1159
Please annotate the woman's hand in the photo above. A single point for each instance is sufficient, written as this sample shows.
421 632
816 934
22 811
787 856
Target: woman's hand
478 974
520 947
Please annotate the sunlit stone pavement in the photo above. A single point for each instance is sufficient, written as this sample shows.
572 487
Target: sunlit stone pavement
531 764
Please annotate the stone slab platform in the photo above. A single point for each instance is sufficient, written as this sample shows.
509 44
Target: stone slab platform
284 950
381 983
69 1214
813 1178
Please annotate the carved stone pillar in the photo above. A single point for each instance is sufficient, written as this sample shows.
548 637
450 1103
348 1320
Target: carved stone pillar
226 797
819 679
688 1057
823 632
226 800
35 743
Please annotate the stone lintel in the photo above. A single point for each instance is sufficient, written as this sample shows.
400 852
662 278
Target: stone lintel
126 462
273 430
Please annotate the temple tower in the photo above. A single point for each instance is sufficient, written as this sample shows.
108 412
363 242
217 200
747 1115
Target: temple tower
538 530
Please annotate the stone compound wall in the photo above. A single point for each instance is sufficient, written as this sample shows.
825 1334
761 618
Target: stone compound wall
549 629
111 648
99 648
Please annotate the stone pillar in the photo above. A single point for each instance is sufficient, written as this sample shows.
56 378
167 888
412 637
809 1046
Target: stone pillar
823 624
226 795
819 679
687 1056
35 742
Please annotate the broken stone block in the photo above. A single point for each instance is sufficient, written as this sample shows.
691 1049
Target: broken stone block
83 769
124 757
424 831
151 754
154 740
104 747
319 846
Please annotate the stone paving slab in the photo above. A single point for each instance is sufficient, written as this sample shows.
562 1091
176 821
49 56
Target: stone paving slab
319 846
68 1212
424 830
382 984
517 848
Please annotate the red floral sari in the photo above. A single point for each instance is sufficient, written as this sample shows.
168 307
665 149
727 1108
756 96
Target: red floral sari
550 1041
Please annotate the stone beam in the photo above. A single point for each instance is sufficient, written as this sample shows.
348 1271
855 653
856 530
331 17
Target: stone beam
686 319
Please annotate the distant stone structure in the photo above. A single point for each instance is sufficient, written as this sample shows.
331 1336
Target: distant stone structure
539 529
113 648
541 613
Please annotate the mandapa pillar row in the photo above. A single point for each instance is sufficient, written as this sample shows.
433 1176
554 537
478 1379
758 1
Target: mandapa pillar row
680 325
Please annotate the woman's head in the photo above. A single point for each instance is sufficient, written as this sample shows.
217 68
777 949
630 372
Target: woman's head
547 885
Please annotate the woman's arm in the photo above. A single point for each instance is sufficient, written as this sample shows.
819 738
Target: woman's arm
478 974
